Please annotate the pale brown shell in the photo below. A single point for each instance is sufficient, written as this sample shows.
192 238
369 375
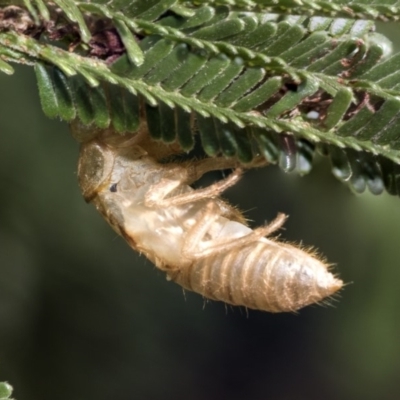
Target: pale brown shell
197 239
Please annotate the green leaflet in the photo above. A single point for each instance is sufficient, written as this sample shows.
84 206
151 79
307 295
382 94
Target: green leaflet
55 93
132 49
5 390
74 14
6 68
337 109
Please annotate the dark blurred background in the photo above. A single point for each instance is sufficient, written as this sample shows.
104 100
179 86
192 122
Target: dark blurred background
82 316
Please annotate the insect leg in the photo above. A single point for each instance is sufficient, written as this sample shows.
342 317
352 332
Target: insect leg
191 244
228 244
196 169
155 197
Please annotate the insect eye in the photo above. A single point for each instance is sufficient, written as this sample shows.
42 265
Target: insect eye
113 188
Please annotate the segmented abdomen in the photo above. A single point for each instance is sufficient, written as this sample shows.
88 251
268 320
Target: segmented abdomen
265 275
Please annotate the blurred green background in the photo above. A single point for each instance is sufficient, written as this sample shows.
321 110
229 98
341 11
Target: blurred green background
84 317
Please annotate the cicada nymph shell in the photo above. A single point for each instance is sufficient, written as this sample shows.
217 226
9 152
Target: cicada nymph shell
200 241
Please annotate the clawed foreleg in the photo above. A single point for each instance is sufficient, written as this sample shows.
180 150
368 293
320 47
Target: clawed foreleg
157 194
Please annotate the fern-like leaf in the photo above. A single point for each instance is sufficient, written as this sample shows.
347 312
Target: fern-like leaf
5 391
363 9
248 83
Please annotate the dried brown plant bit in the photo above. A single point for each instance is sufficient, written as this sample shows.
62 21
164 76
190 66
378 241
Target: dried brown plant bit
106 44
200 241
14 18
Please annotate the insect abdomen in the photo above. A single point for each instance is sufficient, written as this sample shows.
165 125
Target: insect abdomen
265 275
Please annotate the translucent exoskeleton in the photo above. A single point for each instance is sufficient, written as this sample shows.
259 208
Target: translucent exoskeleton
200 241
